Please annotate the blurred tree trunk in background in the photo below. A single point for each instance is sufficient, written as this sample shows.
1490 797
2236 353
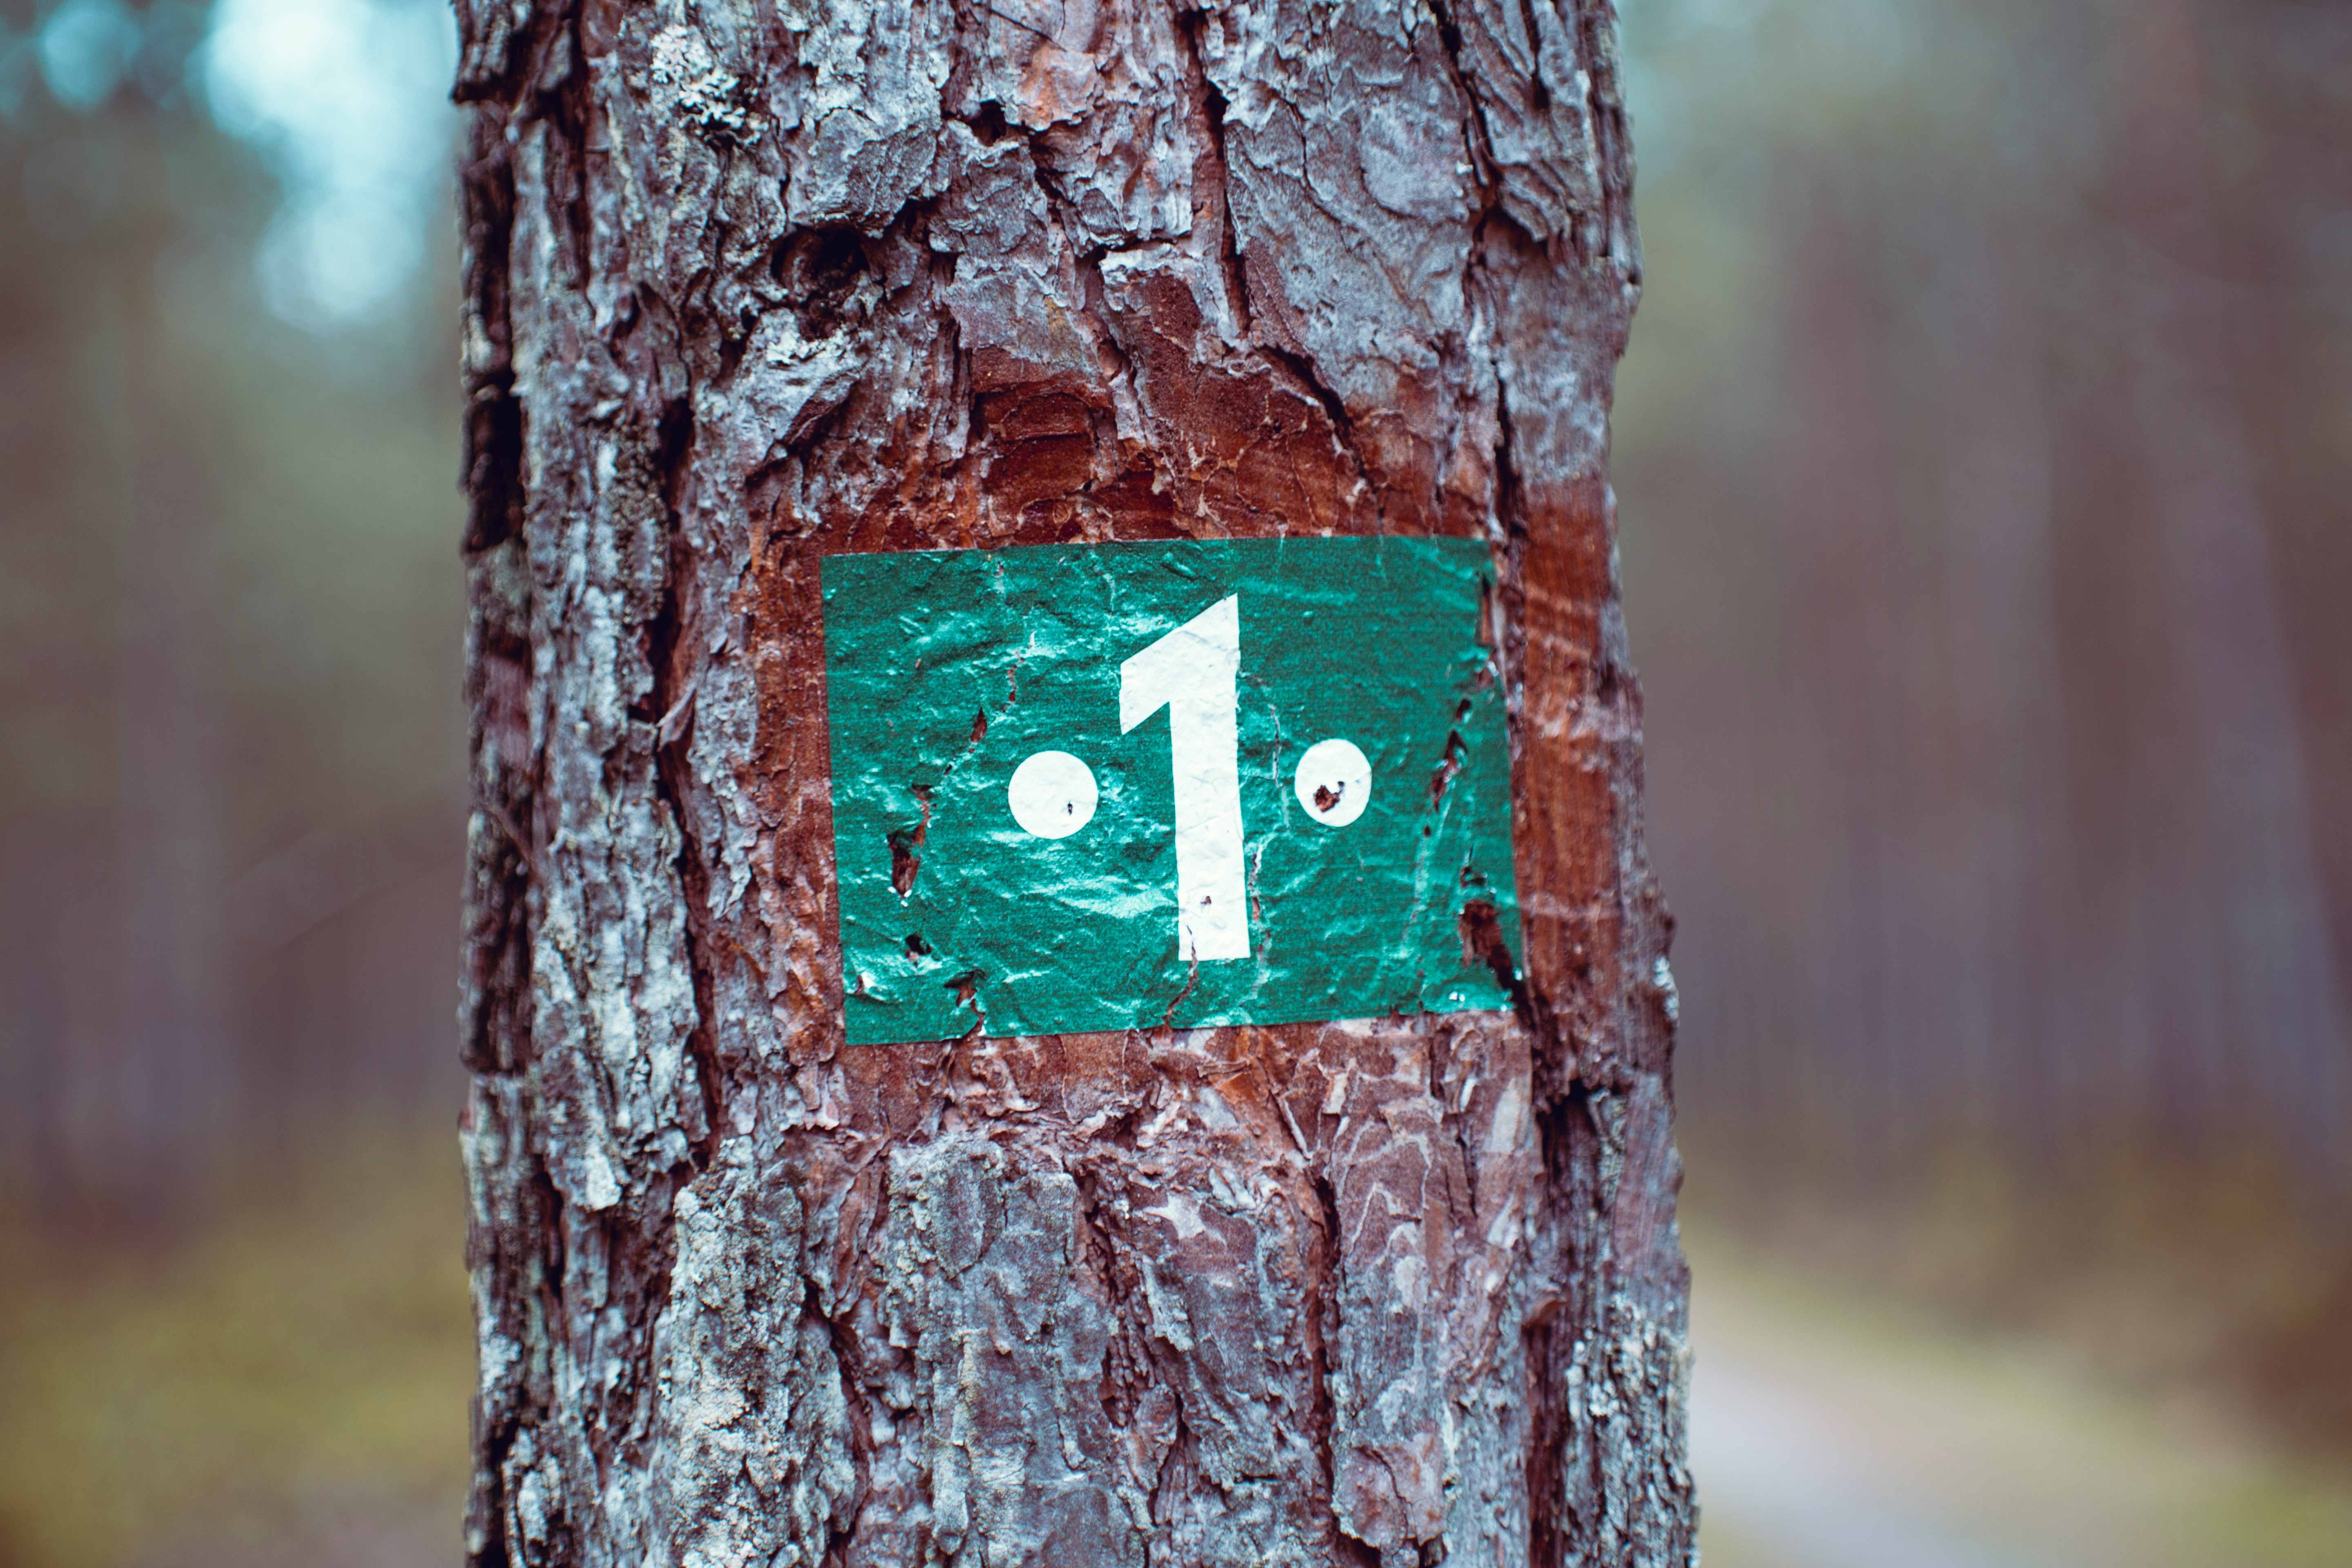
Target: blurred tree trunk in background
120 994
163 1113
2245 972
748 285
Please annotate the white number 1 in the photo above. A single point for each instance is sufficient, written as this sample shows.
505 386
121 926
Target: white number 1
1191 672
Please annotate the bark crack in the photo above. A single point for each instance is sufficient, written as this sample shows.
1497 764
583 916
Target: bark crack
1299 366
1605 114
1326 1419
1481 138
669 640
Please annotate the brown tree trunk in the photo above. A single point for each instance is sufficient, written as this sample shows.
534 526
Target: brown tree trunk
750 286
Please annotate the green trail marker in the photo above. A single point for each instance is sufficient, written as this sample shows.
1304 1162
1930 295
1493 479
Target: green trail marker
1104 787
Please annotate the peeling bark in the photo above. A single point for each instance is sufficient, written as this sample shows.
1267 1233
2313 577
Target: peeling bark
751 284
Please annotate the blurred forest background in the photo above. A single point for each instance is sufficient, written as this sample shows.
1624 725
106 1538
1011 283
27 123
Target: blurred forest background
1984 456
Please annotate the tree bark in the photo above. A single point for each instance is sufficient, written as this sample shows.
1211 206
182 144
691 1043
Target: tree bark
749 286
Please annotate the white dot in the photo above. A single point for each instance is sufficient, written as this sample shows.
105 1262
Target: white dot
1335 783
1052 795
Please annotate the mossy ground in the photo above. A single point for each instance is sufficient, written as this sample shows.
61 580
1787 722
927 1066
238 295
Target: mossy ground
286 1379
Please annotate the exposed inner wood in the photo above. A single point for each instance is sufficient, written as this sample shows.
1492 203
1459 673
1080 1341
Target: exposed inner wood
750 284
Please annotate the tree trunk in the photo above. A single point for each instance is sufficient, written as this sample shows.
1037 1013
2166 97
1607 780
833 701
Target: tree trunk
752 286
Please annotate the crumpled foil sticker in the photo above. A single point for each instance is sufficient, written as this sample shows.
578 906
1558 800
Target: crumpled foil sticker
1120 786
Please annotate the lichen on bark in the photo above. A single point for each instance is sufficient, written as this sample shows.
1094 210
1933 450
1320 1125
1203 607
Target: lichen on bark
751 283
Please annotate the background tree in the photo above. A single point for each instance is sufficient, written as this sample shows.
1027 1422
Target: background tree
1999 696
750 286
231 760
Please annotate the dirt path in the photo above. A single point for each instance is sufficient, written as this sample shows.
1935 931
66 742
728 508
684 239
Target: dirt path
1827 1436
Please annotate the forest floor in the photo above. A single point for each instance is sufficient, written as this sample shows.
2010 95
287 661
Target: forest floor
287 1385
290 1387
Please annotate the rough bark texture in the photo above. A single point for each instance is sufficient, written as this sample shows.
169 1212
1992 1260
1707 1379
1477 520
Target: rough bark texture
751 283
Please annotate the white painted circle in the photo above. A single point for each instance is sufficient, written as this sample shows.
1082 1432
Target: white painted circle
1052 795
1335 783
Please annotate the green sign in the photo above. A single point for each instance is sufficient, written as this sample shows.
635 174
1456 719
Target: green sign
1107 787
